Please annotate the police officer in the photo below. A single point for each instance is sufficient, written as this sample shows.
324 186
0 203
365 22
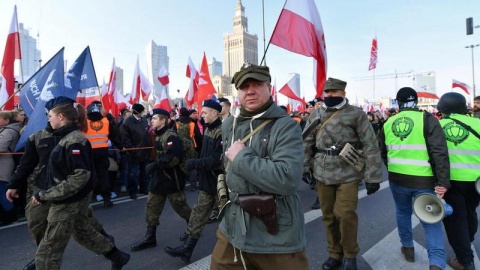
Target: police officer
462 134
166 179
208 167
328 130
415 151
100 130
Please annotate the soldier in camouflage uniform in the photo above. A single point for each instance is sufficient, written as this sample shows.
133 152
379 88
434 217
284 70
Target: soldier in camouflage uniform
71 178
166 179
208 166
32 171
337 181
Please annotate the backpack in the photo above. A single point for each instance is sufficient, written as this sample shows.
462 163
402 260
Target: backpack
184 132
187 146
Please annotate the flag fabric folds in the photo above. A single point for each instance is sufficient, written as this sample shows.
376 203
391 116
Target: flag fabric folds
109 102
299 30
81 80
140 87
45 84
12 52
205 86
163 76
289 90
192 74
373 54
462 86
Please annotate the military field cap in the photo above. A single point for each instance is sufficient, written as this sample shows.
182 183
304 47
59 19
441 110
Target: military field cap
406 94
334 84
161 112
54 102
210 103
248 71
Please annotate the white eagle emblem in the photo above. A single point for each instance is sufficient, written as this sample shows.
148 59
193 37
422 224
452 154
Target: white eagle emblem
46 93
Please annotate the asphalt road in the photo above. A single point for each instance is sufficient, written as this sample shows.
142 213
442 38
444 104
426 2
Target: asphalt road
378 237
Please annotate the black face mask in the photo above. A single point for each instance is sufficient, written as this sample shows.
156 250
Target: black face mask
332 101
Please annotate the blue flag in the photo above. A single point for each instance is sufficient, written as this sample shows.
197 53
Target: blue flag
45 84
81 74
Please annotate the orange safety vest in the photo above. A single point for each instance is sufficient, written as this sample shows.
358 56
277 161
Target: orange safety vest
97 133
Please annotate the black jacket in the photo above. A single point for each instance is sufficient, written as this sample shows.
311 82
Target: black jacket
135 135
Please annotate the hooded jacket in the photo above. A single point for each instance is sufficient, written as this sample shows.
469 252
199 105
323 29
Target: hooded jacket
278 172
9 135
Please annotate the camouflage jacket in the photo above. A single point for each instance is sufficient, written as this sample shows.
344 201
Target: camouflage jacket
350 125
70 168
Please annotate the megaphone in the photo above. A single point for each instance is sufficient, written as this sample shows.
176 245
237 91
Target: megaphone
477 185
431 209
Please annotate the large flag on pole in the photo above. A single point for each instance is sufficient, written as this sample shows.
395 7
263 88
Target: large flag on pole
373 54
462 86
108 101
192 74
163 76
141 86
205 85
81 80
12 52
45 84
299 30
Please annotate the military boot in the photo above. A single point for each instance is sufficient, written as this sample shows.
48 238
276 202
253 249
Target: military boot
108 236
30 265
184 251
118 258
149 241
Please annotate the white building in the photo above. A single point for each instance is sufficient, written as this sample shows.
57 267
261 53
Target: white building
31 56
156 57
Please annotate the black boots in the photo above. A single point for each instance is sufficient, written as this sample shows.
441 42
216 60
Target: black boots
184 251
184 237
118 258
108 236
149 241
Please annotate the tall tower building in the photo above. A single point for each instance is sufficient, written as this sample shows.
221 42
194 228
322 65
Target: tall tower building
215 67
31 56
239 46
156 57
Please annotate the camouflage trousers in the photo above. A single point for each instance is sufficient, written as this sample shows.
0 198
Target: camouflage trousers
65 220
156 203
200 213
36 215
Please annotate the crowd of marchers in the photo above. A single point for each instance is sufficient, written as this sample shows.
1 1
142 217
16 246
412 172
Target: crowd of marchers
87 154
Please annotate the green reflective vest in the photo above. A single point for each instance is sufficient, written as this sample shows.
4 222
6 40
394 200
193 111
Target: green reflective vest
463 147
406 145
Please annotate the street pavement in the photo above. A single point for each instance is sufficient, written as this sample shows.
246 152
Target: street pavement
377 237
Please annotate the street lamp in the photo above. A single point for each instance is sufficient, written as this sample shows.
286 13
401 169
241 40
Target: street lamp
473 67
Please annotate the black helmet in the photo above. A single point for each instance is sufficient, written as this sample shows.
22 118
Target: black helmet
452 103
94 112
406 94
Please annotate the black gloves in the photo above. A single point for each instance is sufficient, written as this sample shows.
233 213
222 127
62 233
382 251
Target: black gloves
372 187
307 178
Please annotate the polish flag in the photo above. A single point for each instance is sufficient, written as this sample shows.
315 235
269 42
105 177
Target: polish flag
205 86
461 85
163 76
373 54
123 102
299 30
236 102
162 102
109 102
273 91
141 86
192 73
289 90
12 52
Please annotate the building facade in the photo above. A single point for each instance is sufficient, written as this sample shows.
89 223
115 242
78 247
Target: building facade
31 56
157 56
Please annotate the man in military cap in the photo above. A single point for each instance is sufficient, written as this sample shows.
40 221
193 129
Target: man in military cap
226 105
333 126
415 152
318 102
269 162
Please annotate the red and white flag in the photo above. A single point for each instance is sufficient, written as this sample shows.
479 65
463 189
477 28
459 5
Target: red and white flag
462 86
163 76
373 54
290 89
12 52
299 30
141 86
205 86
273 91
112 91
162 102
191 73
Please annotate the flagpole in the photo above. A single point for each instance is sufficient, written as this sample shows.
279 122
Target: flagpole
263 19
20 47
373 85
276 24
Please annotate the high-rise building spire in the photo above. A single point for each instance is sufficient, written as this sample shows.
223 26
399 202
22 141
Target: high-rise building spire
240 22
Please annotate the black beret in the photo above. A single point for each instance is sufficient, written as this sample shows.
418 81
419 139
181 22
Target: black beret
220 100
212 104
161 112
334 84
192 111
137 108
54 102
259 73
184 112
